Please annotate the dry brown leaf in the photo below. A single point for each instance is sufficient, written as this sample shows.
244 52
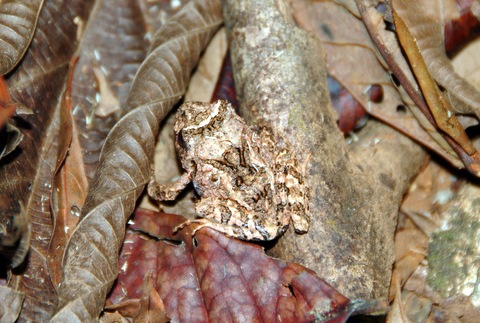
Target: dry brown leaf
439 106
347 42
425 20
18 20
397 312
11 304
429 193
467 65
206 75
124 167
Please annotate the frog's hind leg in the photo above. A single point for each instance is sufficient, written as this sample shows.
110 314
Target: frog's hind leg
228 217
233 231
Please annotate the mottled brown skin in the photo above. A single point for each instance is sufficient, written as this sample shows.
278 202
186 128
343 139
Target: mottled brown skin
248 187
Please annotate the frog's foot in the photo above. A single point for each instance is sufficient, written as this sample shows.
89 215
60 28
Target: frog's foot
230 230
167 192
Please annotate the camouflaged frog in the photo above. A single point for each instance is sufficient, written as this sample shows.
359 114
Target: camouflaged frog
248 188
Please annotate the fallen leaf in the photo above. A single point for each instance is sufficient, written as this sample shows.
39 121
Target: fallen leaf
212 277
124 166
425 20
111 49
438 104
26 176
18 20
347 42
11 304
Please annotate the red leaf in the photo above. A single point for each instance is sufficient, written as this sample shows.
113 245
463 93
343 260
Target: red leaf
217 278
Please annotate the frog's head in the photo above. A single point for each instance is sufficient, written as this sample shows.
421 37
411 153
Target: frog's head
197 115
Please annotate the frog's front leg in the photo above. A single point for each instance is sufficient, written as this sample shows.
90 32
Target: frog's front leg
167 192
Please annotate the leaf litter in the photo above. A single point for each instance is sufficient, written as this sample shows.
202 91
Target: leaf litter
417 226
218 278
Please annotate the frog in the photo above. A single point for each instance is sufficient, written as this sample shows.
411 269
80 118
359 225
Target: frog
249 186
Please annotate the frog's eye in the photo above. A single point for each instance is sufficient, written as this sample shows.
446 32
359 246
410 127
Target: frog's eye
180 140
201 117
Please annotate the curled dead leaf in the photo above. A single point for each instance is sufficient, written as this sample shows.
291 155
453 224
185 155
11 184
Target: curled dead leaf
18 20
124 167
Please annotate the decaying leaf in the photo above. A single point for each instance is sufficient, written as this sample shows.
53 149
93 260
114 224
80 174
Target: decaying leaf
18 20
26 176
212 277
124 166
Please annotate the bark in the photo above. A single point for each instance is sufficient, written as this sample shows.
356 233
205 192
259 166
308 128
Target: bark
281 81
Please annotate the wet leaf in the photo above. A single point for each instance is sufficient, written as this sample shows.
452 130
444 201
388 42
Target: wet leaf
124 167
18 20
212 277
69 193
26 176
111 50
